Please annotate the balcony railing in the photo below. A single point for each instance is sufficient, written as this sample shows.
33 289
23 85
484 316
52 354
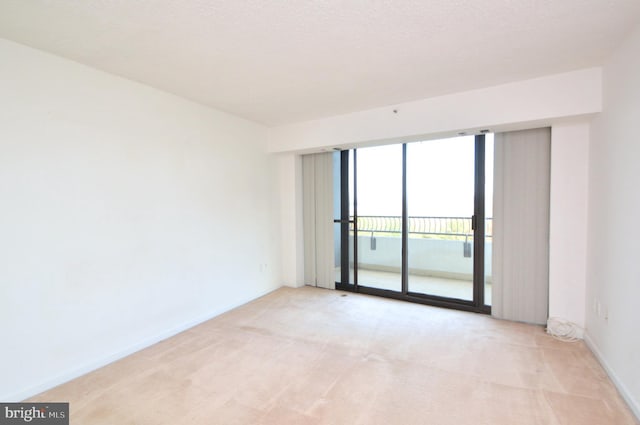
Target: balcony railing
444 227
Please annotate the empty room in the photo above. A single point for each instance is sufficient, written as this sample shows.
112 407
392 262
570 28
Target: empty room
319 212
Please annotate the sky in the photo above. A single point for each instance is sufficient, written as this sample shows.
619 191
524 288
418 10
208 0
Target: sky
439 178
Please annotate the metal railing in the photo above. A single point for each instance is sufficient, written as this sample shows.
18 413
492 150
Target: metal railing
450 227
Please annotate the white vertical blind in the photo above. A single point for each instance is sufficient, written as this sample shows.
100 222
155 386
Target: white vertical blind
521 225
317 205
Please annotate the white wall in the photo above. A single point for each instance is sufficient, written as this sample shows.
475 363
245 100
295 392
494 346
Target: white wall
526 104
127 215
568 222
613 271
427 257
291 224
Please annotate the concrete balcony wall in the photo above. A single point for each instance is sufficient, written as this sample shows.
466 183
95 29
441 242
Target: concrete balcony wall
427 257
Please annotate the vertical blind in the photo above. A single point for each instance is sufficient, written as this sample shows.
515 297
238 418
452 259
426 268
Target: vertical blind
521 225
317 207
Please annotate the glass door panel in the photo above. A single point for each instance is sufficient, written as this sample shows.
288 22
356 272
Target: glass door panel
440 206
343 213
379 217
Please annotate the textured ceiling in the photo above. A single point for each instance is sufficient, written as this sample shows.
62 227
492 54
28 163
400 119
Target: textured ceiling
282 61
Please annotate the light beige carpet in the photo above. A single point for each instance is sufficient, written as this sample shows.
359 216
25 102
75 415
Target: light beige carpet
313 356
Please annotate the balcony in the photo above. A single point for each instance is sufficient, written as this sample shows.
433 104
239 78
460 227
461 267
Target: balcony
440 255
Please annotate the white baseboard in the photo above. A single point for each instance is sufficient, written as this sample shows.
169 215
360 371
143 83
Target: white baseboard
622 389
94 364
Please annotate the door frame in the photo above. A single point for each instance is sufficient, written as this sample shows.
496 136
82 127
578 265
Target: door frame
348 223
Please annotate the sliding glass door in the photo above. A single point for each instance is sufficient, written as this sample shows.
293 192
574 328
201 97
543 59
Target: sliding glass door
379 228
413 222
440 203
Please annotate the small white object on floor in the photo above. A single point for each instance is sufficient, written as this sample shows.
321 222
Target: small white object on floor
564 330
